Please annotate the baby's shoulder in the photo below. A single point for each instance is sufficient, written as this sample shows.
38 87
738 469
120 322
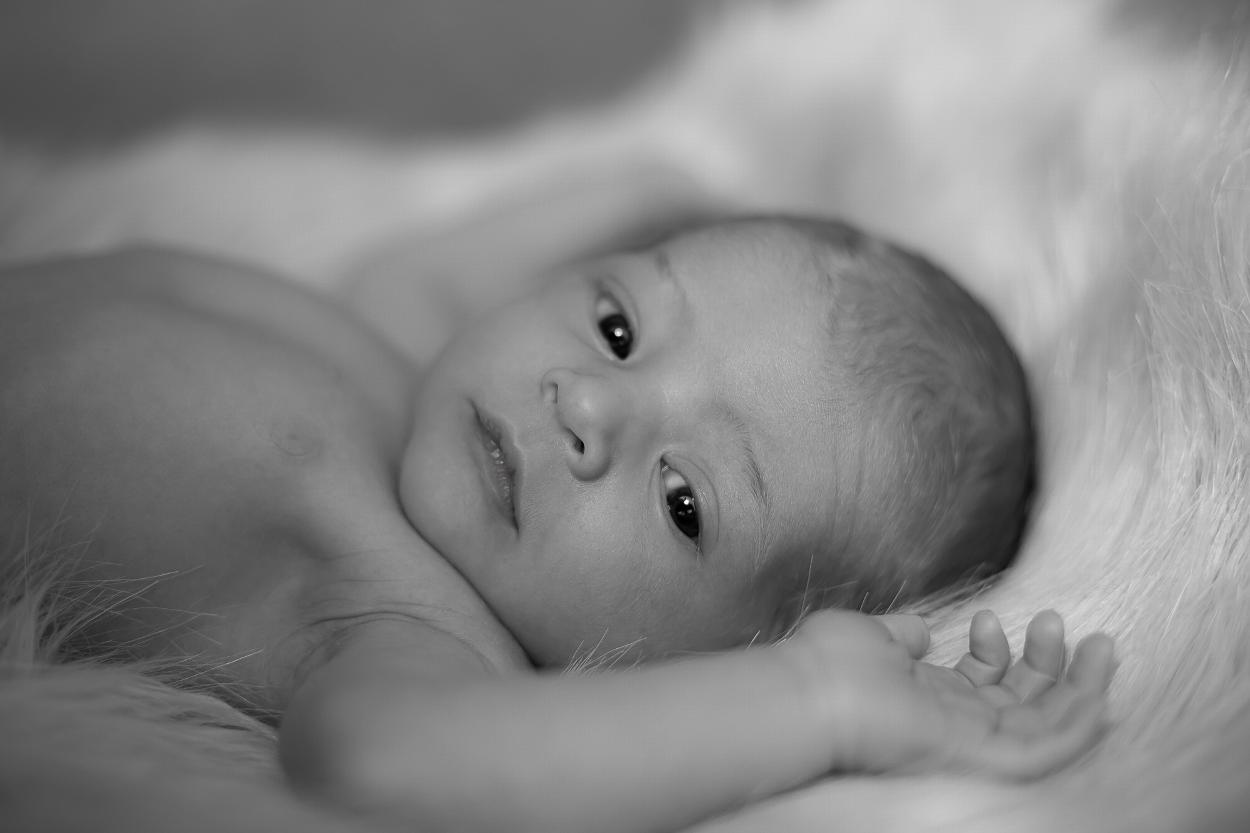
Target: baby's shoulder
182 340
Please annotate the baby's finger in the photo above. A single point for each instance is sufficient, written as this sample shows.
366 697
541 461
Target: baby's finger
1093 663
988 655
1042 661
909 631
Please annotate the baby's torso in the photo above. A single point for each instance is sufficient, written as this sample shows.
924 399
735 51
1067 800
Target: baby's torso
224 448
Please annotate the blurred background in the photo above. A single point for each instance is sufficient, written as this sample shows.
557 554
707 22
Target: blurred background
97 71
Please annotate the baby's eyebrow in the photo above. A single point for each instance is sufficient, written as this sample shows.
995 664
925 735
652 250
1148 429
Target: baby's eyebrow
749 472
668 276
664 267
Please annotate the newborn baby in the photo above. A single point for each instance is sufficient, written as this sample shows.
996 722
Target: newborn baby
658 453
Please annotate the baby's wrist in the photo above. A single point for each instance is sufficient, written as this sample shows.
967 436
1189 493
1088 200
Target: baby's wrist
848 669
825 694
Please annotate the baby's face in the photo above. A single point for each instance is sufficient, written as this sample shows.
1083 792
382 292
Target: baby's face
630 455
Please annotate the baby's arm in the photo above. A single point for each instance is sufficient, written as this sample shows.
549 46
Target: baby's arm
405 721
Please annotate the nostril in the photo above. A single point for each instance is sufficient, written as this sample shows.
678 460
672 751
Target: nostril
579 446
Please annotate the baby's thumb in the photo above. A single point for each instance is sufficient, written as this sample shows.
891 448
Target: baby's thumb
907 630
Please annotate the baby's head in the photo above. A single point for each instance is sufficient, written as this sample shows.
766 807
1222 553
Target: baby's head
682 448
945 441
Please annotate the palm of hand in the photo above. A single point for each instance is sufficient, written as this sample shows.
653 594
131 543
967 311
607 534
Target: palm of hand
986 714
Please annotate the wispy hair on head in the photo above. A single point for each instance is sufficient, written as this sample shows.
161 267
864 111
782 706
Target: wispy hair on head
948 443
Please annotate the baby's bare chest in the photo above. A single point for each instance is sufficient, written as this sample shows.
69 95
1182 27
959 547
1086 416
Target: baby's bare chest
191 456
183 409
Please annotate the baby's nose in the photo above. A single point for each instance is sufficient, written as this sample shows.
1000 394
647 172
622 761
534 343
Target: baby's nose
592 410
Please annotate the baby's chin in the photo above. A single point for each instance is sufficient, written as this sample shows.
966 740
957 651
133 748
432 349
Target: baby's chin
559 642
584 654
408 491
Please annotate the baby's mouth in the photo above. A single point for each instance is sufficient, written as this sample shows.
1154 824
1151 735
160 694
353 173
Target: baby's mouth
501 471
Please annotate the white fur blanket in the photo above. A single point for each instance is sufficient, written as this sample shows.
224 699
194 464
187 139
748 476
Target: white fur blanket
1082 168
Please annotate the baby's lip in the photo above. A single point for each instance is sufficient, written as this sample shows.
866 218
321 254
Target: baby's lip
504 479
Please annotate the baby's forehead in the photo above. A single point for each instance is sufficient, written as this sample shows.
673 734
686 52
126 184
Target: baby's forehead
780 254
775 287
786 377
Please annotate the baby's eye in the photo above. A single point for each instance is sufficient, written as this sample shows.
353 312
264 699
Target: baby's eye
682 506
614 327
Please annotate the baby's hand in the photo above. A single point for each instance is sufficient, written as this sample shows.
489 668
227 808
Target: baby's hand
987 714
